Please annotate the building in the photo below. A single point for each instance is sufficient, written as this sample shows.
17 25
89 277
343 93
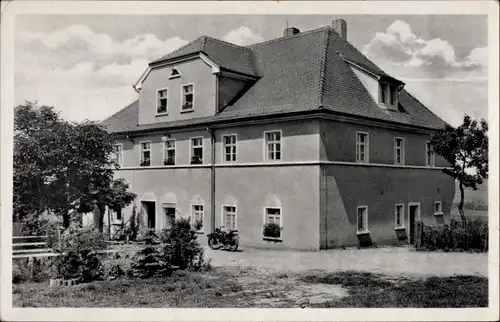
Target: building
302 131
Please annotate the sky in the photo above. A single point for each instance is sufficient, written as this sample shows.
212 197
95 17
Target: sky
85 65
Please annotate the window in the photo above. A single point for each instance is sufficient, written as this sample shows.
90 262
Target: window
196 150
361 147
174 74
229 148
399 151
400 215
119 214
430 157
187 97
197 217
383 93
118 154
438 208
169 153
362 219
145 153
272 225
229 217
161 107
393 94
273 145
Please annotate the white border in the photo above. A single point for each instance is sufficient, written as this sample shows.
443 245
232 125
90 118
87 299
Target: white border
191 149
403 150
150 154
440 213
402 226
223 146
222 219
266 160
191 216
367 146
265 238
10 9
367 230
165 150
182 98
157 100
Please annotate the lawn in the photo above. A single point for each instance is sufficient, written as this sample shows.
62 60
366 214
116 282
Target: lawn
251 287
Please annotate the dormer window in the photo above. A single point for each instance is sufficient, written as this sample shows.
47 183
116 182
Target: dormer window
388 95
174 74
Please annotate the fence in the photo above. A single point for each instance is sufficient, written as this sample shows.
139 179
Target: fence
31 246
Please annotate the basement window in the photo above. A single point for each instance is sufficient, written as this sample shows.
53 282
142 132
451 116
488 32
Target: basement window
438 208
362 220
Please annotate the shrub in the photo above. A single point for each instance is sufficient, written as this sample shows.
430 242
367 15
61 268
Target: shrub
182 244
78 257
272 230
455 237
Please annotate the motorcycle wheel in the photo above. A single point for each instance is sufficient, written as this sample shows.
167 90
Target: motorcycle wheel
233 247
214 243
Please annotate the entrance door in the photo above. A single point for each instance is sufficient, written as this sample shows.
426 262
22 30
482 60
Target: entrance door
169 216
413 215
150 213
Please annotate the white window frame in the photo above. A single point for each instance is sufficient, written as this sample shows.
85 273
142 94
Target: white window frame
432 156
141 155
157 100
366 145
266 154
223 217
440 212
223 151
281 222
402 148
402 216
120 157
183 97
366 230
192 147
165 154
193 218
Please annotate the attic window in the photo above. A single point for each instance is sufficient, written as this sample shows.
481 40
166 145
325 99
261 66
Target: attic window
174 74
388 95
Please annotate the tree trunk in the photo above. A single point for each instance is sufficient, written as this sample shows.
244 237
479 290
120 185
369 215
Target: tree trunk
96 216
65 216
461 205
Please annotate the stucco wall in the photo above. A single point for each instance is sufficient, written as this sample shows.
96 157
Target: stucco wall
293 188
379 188
193 71
131 150
228 89
300 141
338 143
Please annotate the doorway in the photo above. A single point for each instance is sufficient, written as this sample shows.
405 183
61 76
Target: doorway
169 212
413 216
149 213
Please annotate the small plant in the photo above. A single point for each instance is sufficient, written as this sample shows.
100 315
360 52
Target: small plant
187 106
145 162
169 161
272 230
198 225
196 160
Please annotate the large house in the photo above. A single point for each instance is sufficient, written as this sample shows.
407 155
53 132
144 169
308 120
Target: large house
301 132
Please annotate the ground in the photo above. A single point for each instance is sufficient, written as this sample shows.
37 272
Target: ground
379 277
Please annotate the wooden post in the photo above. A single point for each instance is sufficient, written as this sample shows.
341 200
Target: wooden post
59 237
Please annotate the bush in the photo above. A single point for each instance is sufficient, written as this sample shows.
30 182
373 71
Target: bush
272 230
79 259
454 237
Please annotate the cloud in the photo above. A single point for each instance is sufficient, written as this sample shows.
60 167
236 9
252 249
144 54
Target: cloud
243 36
79 38
402 52
82 73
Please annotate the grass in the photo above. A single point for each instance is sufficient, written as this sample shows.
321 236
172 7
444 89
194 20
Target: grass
245 287
367 290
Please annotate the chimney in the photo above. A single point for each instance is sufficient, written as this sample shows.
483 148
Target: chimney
290 31
340 26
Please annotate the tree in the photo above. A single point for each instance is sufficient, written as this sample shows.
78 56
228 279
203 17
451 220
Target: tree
465 148
60 167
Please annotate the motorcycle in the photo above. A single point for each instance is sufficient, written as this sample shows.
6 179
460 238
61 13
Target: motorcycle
222 239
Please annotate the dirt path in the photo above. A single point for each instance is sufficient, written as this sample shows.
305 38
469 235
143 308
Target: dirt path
390 260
